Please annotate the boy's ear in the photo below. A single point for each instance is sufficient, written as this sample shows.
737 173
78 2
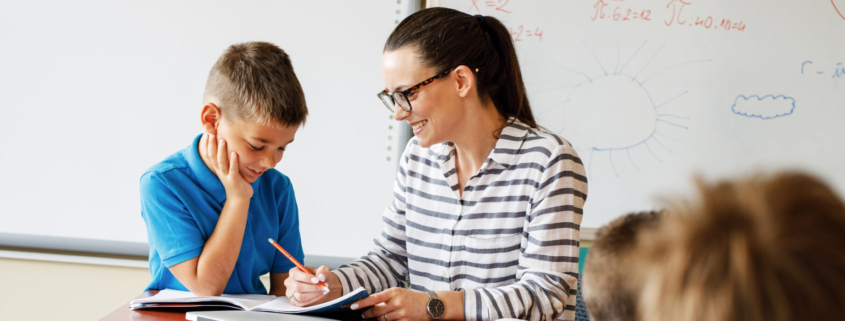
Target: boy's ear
210 118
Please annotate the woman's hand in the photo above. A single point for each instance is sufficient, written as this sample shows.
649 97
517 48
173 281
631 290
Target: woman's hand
395 304
225 166
304 291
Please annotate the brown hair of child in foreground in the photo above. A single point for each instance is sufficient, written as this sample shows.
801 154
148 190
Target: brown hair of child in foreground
609 290
767 248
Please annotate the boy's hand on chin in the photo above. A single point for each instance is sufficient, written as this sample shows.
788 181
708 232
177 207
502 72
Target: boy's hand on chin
225 165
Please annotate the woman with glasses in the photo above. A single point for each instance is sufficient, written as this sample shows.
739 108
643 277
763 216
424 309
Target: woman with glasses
487 205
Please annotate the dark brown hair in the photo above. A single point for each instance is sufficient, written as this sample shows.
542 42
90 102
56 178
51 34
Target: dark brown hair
255 81
767 248
447 38
609 291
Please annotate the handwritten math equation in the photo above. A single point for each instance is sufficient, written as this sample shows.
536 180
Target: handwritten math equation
519 33
620 10
498 5
834 72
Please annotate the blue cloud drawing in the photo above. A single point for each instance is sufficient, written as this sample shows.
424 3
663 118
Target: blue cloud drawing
766 107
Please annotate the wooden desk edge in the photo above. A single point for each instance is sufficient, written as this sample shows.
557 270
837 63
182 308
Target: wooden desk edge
123 313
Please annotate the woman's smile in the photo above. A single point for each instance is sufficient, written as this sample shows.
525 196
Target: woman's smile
418 126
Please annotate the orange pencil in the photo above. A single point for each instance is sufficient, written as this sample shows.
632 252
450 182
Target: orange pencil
279 247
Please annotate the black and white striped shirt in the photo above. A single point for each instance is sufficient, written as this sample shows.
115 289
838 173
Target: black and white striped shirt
510 242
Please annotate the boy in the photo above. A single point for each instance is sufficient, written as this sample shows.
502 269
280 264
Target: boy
769 248
210 208
610 290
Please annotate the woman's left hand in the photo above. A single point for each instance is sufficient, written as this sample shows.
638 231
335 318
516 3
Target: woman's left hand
395 304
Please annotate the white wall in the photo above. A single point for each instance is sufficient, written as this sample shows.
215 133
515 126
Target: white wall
42 290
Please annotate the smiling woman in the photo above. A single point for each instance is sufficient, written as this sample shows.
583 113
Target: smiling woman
486 207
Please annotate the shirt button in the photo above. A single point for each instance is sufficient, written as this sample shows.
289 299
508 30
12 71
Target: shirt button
557 305
448 239
444 273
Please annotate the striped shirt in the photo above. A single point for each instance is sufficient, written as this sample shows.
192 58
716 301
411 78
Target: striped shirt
510 242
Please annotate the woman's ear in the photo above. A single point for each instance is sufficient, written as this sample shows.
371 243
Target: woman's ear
466 80
210 118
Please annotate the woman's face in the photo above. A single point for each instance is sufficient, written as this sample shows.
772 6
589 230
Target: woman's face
436 111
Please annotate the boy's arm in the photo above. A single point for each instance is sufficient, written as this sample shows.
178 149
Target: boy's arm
209 273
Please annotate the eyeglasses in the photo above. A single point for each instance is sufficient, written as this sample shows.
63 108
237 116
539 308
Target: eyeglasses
400 98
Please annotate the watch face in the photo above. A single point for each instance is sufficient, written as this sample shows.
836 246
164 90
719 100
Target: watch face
435 307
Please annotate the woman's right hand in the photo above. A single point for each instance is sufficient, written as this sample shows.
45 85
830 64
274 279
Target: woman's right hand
304 289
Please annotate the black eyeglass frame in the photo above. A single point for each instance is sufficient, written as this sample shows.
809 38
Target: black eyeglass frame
384 95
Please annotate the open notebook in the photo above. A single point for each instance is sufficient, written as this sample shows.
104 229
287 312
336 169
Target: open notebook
169 299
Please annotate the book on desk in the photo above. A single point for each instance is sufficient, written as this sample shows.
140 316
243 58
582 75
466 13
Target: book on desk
182 300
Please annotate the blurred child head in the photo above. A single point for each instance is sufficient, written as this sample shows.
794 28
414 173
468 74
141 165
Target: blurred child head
767 248
255 103
609 290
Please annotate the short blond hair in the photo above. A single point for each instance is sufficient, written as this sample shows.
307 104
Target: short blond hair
255 81
765 248
609 291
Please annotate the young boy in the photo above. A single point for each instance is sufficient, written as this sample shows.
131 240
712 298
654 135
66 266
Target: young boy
769 248
610 290
210 208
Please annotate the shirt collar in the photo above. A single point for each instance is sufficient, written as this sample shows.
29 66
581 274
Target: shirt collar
506 149
207 180
510 141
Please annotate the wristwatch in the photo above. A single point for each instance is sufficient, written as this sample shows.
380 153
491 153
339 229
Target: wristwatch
435 307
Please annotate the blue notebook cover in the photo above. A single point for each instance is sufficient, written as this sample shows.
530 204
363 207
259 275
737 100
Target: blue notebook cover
343 305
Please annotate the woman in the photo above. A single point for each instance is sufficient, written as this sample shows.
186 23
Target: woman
484 222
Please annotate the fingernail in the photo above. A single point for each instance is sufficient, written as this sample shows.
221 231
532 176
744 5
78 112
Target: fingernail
221 142
314 280
362 316
322 277
355 307
325 292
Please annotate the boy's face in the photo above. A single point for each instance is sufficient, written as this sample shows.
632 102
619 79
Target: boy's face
259 147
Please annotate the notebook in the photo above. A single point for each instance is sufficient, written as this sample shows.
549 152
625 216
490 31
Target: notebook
175 299
248 316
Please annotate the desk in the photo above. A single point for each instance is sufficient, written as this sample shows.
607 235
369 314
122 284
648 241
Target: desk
124 314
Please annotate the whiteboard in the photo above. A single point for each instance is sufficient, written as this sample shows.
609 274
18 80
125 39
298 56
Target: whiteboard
651 92
96 92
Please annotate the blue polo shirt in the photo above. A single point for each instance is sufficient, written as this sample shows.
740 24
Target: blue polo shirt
181 200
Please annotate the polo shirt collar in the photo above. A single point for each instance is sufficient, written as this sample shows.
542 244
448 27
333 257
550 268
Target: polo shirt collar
207 179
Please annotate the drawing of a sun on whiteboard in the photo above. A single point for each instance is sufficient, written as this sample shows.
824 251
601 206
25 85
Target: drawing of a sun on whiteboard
612 114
